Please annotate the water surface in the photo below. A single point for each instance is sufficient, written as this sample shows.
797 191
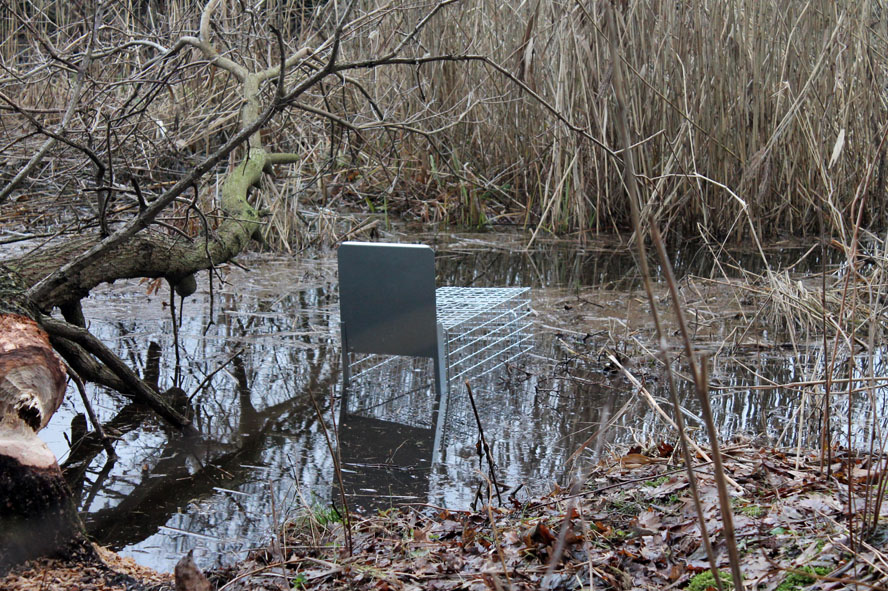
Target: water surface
258 360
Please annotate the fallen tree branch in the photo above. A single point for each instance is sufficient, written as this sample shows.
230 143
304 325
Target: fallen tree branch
141 391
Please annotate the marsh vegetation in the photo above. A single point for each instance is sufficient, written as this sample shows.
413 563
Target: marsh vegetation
157 141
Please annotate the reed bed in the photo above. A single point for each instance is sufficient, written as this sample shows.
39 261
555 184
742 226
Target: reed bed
747 116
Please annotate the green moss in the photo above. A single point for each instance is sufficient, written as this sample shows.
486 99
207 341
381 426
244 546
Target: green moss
626 506
326 515
754 511
704 581
796 581
317 515
656 481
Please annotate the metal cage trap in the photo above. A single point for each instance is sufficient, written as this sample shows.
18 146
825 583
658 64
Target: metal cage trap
394 322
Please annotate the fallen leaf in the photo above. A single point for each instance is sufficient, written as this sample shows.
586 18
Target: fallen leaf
636 460
756 567
538 534
653 548
674 484
648 522
820 504
665 449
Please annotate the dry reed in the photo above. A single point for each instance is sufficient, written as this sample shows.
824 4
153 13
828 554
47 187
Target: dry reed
742 110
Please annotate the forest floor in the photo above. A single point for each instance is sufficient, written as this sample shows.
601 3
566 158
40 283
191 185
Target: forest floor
633 525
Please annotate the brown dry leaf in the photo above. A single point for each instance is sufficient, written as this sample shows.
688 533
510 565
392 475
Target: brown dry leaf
790 513
604 529
511 538
665 449
744 524
820 504
636 460
447 528
154 285
538 534
649 521
468 536
674 484
653 548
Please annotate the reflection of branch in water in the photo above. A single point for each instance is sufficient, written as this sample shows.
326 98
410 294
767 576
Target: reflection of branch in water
148 498
170 485
248 414
206 381
98 483
152 364
85 450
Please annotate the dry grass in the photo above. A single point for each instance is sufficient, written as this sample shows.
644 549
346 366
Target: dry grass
756 114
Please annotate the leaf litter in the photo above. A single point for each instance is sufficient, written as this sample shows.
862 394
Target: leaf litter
634 526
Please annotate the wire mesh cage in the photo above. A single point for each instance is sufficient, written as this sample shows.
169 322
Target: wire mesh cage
484 329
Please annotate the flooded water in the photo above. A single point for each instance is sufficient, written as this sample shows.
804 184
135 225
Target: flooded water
258 359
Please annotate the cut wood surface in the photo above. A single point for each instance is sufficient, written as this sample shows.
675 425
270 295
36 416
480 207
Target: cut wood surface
38 514
32 377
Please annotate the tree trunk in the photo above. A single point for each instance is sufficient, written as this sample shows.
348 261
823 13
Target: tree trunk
38 516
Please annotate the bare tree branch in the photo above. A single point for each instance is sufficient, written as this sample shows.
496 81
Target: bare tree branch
143 392
63 124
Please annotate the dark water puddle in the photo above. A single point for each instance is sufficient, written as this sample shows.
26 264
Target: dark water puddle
257 357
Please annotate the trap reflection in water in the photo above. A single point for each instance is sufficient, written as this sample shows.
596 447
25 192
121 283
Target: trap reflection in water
383 463
394 450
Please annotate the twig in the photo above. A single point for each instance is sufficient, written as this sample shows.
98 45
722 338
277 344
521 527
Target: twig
659 410
575 486
97 425
69 112
483 445
496 541
701 382
337 469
